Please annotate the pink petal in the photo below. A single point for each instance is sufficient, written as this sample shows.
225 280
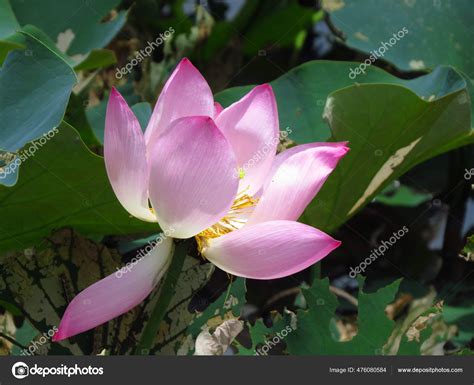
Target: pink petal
115 294
186 93
217 110
125 157
192 183
251 126
269 250
294 180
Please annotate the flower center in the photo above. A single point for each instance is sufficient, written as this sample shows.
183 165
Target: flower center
234 220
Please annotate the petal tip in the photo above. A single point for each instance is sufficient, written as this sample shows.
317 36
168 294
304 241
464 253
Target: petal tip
116 98
337 244
186 64
263 88
198 119
339 149
115 94
344 150
58 336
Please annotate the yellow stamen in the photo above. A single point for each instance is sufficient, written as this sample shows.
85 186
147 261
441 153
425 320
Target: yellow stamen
232 221
150 207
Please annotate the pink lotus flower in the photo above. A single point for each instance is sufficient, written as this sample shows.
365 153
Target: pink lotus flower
213 174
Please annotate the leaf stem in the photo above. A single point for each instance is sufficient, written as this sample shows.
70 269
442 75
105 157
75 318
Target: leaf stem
166 294
314 272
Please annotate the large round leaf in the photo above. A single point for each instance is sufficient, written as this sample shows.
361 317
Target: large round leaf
63 184
301 93
78 21
390 130
439 31
35 85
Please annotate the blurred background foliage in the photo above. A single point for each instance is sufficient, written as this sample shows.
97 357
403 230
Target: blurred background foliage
407 119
